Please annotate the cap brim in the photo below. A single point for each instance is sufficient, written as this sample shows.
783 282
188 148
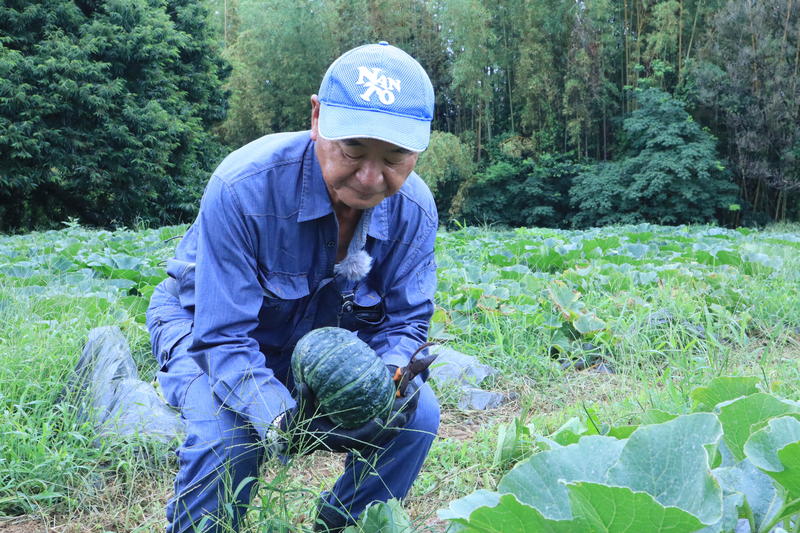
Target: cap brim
337 123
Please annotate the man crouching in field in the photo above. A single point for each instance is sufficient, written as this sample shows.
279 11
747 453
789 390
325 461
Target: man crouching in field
298 231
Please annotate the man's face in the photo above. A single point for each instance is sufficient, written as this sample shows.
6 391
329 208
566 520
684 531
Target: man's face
360 172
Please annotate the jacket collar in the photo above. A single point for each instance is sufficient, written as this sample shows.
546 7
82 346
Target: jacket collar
314 200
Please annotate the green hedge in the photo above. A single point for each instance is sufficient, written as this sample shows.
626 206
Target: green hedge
104 111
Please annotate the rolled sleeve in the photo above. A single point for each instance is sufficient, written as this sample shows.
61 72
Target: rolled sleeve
228 298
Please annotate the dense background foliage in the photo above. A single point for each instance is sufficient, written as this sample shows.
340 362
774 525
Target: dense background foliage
560 81
114 111
105 110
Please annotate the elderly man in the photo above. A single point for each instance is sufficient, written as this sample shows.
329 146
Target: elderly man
298 231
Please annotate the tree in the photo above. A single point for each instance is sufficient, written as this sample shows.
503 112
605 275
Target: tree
591 95
747 84
539 81
467 26
103 111
444 166
669 175
279 58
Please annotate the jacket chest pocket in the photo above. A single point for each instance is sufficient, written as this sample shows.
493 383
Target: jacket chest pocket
285 296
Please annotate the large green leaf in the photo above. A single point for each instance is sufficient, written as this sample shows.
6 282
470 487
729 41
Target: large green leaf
570 432
656 416
536 481
565 299
722 389
515 271
490 512
588 323
763 445
596 508
622 510
789 477
775 449
731 502
739 418
670 461
758 489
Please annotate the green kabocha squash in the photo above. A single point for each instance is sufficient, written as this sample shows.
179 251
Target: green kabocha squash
351 383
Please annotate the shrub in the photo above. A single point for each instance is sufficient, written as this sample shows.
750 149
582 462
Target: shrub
518 188
104 111
670 175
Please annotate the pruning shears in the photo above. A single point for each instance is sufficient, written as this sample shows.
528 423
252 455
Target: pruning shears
415 367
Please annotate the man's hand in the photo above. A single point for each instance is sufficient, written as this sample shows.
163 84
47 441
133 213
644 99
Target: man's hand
404 406
304 430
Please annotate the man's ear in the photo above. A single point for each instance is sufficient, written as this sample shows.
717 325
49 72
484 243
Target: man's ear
314 117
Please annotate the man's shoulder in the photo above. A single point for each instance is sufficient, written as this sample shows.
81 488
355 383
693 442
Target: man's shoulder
265 153
416 194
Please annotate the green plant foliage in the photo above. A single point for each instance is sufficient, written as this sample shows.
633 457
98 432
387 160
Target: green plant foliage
663 477
514 442
720 390
104 111
750 96
546 282
382 517
680 305
283 49
444 166
563 75
270 86
518 189
669 174
740 416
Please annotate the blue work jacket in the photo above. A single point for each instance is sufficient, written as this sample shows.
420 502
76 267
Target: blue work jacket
264 246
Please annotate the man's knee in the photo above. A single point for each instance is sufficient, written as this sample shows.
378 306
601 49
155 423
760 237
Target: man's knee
426 417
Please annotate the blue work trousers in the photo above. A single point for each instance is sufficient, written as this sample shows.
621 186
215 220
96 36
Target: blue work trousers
222 454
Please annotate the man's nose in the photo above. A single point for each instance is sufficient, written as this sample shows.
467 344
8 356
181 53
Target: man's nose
370 173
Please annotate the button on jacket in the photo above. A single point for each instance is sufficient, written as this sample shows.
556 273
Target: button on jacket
263 244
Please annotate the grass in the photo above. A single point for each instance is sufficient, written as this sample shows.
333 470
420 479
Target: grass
662 338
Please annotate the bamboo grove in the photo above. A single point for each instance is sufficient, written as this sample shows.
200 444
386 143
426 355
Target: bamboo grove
557 77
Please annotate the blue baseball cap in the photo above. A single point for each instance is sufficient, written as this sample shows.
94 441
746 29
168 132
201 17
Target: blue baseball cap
379 92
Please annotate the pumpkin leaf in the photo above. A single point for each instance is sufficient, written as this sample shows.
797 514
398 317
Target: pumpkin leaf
588 323
490 512
775 449
622 510
565 299
382 517
535 481
671 462
741 417
720 390
758 490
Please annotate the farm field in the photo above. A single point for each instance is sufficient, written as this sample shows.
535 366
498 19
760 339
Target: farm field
593 333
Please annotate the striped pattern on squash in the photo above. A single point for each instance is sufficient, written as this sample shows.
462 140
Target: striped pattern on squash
349 380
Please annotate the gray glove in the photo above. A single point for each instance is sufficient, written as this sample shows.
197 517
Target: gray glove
304 430
405 406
